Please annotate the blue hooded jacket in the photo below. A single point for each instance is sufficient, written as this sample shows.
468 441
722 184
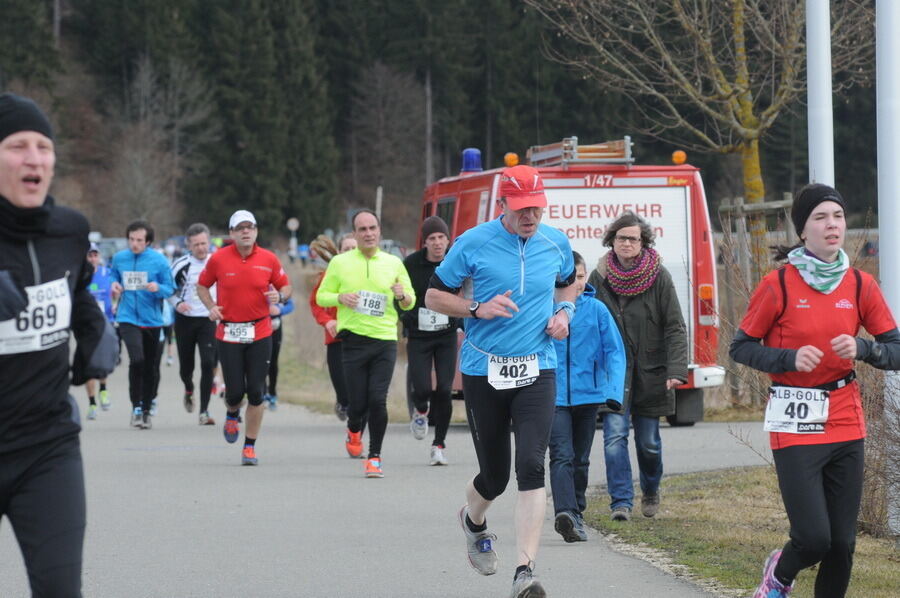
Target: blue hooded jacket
591 360
143 308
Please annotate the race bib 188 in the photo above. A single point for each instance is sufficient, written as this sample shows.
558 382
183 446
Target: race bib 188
512 372
43 324
371 304
796 410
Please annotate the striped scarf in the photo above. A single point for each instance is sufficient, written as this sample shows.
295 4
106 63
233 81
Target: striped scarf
821 276
636 280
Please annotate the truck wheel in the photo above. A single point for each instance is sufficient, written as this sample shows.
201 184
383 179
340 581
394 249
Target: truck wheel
688 407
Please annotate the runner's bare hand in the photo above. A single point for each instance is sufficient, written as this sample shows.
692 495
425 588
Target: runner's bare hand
331 327
152 287
558 325
397 289
672 383
350 300
272 295
215 313
808 357
116 289
500 306
183 307
845 346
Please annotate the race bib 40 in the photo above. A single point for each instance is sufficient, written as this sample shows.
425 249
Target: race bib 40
796 410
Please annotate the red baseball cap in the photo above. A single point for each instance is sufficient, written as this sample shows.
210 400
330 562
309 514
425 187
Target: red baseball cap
522 187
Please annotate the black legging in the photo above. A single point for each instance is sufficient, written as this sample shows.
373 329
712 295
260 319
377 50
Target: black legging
42 494
821 486
335 357
200 332
439 352
273 362
244 367
142 344
490 411
368 368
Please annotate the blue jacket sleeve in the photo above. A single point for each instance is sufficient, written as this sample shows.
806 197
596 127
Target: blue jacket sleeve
613 352
288 307
164 279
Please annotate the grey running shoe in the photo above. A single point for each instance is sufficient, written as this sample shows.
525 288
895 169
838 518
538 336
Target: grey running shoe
579 528
136 417
419 425
206 419
526 586
621 514
437 456
650 504
189 401
566 525
340 411
479 546
146 421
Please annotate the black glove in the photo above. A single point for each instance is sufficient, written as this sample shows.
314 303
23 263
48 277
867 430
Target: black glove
13 300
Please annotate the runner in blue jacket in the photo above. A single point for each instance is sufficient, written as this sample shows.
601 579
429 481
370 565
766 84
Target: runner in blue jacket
590 370
141 280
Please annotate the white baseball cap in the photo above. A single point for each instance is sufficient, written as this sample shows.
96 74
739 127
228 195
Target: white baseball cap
241 216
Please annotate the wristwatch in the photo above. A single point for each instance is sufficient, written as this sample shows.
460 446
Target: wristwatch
473 307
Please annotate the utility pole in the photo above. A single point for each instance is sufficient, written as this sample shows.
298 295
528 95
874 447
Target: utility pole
887 83
818 92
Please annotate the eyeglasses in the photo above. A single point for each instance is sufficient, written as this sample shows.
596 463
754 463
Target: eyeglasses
241 227
625 239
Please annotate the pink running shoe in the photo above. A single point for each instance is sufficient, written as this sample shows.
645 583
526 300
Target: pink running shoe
771 587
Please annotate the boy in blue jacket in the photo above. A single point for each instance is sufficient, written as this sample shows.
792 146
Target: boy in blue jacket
590 371
141 280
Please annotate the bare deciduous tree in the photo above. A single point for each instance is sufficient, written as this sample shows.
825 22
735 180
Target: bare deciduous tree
709 75
163 125
389 128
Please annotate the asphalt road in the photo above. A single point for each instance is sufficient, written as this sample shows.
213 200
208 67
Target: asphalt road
172 513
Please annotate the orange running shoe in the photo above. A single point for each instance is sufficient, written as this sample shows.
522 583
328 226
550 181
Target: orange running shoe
353 444
248 456
373 468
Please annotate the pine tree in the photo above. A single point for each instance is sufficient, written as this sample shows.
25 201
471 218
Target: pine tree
311 153
27 51
247 168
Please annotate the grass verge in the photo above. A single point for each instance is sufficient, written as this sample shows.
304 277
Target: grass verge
721 525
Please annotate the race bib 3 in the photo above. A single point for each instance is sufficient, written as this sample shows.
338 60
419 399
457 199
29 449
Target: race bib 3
431 321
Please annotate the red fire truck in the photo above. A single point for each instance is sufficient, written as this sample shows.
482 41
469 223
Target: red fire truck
589 186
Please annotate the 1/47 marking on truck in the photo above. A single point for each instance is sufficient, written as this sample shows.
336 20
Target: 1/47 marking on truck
598 180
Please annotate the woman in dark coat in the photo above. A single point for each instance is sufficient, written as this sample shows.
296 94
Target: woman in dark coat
638 290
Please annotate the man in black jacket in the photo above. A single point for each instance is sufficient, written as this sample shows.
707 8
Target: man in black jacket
44 297
431 343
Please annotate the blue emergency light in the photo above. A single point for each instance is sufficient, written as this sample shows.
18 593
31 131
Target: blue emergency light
471 160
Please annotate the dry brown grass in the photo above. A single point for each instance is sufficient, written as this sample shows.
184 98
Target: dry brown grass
303 372
722 524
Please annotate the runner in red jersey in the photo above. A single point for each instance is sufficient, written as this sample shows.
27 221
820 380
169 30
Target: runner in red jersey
248 279
807 315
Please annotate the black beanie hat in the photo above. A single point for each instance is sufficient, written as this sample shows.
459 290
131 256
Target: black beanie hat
21 114
434 224
808 198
